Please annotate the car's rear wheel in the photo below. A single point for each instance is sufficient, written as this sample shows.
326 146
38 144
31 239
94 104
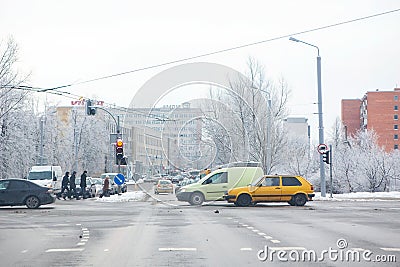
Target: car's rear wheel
244 200
299 200
196 199
32 202
291 202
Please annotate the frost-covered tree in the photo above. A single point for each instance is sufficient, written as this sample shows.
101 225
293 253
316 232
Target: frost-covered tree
16 116
251 112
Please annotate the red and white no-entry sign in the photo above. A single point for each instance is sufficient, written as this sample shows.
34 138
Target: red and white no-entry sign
322 148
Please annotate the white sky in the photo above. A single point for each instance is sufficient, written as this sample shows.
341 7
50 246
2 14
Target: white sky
63 42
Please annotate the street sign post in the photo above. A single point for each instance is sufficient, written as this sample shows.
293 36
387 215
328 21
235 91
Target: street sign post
119 179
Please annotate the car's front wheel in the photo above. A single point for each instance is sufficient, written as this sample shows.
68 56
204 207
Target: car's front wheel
299 200
243 200
196 199
32 202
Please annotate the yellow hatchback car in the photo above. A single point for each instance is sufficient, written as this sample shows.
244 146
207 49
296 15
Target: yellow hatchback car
295 190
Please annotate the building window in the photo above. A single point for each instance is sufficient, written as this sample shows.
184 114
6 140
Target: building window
396 98
396 146
396 127
396 117
396 137
396 107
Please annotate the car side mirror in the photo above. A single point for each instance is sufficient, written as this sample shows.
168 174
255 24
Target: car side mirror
259 185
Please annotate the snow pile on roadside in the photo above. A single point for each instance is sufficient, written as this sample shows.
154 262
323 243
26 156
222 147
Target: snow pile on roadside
125 197
359 196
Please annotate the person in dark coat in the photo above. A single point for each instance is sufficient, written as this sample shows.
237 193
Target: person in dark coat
83 184
72 185
64 186
106 187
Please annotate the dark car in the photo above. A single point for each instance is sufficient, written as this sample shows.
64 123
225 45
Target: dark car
19 192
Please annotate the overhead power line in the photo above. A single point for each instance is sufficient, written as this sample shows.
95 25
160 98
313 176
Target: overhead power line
224 50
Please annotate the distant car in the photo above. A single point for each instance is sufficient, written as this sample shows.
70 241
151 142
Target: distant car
176 179
295 190
20 192
164 186
95 186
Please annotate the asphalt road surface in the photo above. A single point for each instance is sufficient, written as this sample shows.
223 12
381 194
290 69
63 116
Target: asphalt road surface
161 231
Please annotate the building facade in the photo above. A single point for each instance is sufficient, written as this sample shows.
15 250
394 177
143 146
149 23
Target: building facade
378 111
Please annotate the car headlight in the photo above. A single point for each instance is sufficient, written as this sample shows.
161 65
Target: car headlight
182 190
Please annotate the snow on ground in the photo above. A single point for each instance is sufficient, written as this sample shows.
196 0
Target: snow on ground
125 197
359 196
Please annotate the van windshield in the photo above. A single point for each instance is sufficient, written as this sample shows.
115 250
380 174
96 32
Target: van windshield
44 175
257 181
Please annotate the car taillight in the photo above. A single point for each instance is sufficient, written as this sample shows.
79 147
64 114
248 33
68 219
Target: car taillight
312 188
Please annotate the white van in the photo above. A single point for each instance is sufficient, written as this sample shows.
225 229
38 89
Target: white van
47 176
214 185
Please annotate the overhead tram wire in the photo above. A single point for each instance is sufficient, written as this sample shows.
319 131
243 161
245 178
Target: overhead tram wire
56 90
225 50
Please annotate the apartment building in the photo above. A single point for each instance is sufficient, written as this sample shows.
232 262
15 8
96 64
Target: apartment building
376 110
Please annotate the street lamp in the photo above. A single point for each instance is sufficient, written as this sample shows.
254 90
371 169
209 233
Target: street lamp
321 125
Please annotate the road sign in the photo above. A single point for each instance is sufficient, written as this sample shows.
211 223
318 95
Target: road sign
322 148
119 179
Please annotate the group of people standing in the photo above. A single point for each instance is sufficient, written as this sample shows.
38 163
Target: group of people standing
68 184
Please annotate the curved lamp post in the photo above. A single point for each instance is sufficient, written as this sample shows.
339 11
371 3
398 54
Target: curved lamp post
321 125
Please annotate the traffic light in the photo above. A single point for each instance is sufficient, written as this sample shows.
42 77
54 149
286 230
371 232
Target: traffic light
90 110
119 150
326 157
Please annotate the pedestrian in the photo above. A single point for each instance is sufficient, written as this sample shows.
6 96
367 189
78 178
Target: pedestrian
64 186
106 187
72 185
83 184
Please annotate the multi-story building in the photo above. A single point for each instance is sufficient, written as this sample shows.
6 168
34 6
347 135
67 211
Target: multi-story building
297 128
179 128
378 111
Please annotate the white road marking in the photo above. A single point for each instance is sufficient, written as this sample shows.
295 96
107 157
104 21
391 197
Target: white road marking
245 225
357 249
391 249
250 227
84 240
78 224
275 241
255 230
24 251
246 249
177 249
64 249
287 248
262 233
81 244
106 250
268 237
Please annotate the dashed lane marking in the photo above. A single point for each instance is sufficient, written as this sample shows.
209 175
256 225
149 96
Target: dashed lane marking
275 241
177 249
268 237
262 233
64 249
246 249
391 249
287 248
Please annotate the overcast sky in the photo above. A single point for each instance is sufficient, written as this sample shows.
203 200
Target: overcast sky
63 42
